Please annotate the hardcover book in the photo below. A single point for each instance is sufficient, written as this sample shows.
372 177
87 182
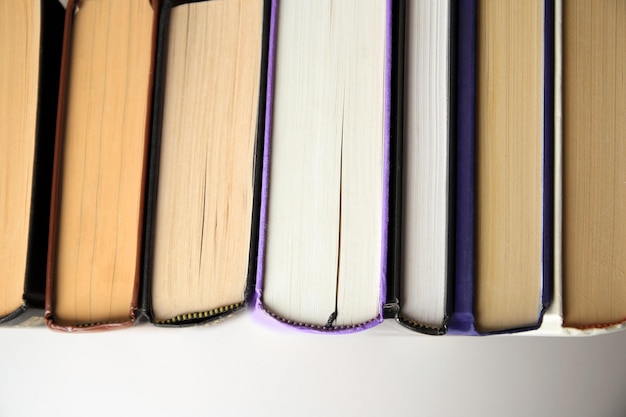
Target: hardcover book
31 33
101 152
422 213
504 200
593 154
206 160
324 207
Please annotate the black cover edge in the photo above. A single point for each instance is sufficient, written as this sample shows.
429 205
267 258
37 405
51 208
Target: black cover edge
423 328
51 40
153 170
153 158
394 229
16 316
452 168
258 156
22 317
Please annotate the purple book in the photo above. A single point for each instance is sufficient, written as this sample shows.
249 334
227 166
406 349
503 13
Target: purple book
462 319
264 308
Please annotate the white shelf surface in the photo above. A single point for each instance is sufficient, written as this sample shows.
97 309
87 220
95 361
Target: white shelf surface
242 367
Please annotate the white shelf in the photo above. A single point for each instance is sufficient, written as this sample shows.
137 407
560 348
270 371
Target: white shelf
245 368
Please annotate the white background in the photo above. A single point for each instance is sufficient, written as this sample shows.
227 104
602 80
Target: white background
242 367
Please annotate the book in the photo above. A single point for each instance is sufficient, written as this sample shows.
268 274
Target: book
206 159
505 164
30 42
594 165
424 189
322 254
99 166
567 90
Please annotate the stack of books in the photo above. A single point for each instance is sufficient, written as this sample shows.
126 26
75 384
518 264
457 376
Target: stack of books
456 166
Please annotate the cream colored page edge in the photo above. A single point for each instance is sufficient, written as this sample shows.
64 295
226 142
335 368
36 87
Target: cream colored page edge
13 275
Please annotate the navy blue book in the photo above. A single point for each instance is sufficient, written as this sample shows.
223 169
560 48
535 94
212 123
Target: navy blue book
504 193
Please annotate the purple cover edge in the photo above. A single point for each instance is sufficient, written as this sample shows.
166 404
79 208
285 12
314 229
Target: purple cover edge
386 156
257 299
